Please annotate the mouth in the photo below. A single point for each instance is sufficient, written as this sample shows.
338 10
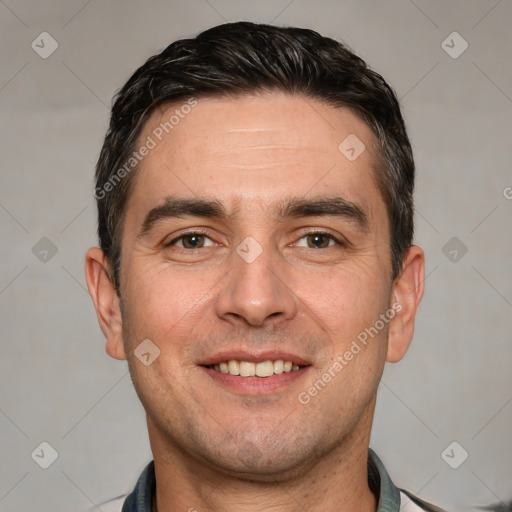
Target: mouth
255 374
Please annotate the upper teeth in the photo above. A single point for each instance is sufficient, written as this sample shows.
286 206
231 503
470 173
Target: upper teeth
248 369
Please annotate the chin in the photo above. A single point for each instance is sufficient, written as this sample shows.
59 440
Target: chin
263 464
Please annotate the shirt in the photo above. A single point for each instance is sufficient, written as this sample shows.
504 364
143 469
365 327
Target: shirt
390 498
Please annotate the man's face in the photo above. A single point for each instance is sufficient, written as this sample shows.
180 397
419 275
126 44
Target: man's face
272 278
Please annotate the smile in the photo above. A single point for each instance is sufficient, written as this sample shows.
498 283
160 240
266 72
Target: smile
250 369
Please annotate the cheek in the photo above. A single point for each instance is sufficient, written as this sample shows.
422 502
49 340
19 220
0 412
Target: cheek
352 295
350 306
164 303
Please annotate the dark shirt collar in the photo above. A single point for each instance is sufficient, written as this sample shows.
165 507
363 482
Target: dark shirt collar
141 499
381 485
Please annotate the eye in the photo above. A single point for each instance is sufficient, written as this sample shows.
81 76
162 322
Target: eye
192 241
318 240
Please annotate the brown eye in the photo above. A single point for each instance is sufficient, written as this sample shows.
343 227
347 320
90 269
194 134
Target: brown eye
191 241
319 240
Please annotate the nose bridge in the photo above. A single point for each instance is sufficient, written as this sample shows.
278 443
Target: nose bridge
256 287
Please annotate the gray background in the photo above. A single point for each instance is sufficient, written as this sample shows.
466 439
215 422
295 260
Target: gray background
56 382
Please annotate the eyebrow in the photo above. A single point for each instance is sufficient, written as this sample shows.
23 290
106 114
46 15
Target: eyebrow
175 207
180 207
325 206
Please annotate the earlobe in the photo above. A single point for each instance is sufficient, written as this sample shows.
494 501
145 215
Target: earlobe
106 301
408 291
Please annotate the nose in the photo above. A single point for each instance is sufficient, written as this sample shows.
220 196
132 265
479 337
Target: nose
257 292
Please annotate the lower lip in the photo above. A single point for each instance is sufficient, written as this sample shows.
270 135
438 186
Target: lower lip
255 385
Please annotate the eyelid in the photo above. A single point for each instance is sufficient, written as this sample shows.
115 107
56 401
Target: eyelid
323 231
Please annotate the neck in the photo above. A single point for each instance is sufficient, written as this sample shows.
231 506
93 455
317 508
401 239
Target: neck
336 482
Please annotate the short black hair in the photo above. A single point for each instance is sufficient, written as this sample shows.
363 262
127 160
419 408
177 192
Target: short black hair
240 58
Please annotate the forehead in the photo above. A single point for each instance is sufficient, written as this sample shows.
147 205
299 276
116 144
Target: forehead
256 147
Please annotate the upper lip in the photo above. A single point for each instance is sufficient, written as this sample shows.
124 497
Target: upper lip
253 357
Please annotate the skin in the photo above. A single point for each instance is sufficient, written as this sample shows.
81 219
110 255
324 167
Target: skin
216 448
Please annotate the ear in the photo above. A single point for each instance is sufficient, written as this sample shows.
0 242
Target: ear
106 301
408 291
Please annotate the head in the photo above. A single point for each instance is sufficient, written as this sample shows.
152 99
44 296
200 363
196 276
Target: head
255 204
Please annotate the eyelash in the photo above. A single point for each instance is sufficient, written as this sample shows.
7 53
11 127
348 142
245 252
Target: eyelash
309 233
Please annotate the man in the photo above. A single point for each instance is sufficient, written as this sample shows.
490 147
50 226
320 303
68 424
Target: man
257 270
